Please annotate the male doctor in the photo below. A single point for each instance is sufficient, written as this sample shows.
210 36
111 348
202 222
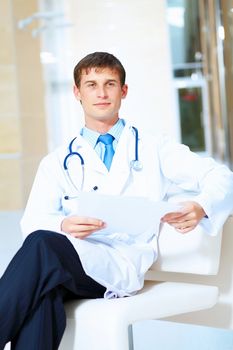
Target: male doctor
64 255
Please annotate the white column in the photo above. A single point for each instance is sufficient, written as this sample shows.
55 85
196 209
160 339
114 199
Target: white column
136 32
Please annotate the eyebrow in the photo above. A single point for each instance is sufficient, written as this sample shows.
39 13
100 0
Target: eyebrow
89 81
94 81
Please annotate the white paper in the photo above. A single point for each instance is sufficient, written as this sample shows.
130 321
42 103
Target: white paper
131 215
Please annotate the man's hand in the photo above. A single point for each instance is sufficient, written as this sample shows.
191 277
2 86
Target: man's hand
187 218
80 226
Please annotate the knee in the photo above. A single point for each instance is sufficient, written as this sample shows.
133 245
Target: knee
42 236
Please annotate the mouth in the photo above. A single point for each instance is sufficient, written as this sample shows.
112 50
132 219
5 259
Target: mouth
102 104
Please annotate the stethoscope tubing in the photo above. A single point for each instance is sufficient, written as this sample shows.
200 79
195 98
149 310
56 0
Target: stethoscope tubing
71 153
136 143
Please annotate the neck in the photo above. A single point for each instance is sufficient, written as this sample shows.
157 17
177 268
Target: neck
101 126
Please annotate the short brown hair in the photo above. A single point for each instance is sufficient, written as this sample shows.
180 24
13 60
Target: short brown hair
99 60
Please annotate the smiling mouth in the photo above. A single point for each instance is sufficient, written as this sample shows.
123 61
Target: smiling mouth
103 104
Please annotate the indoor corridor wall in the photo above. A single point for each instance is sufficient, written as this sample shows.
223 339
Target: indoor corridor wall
22 115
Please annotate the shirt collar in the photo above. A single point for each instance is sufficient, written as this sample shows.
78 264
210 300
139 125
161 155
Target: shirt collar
91 136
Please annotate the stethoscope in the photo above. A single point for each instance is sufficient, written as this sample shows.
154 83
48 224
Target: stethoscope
135 163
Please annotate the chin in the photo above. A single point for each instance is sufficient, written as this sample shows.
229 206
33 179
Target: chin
106 119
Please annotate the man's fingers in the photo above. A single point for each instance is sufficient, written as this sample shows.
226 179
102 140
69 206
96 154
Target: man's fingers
185 226
84 228
173 218
82 234
81 226
185 230
178 217
83 220
187 219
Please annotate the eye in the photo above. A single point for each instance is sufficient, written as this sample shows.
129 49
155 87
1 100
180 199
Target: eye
91 85
111 83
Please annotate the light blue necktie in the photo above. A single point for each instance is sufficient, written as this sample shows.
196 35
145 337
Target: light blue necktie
107 140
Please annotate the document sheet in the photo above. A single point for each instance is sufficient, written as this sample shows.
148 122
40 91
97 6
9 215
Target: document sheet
131 215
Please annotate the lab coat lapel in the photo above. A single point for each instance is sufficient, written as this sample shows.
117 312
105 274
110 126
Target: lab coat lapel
93 170
91 158
114 181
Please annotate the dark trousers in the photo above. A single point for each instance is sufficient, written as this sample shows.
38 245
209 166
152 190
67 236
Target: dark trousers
42 275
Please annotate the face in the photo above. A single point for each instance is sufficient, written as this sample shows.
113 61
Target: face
100 93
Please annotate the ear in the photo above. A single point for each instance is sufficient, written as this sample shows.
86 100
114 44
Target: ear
76 92
124 91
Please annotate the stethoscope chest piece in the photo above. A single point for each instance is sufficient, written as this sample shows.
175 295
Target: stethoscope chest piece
136 165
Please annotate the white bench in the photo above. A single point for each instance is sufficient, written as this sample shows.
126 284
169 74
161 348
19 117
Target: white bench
107 324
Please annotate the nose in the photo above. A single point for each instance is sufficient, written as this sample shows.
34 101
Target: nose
102 92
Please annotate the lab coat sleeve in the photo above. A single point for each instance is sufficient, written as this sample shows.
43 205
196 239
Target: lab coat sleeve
43 210
210 182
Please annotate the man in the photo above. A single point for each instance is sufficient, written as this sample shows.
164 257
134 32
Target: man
66 255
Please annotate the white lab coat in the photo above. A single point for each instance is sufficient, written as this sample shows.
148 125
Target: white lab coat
118 264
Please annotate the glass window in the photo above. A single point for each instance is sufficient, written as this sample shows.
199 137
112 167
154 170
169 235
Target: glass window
190 102
187 64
